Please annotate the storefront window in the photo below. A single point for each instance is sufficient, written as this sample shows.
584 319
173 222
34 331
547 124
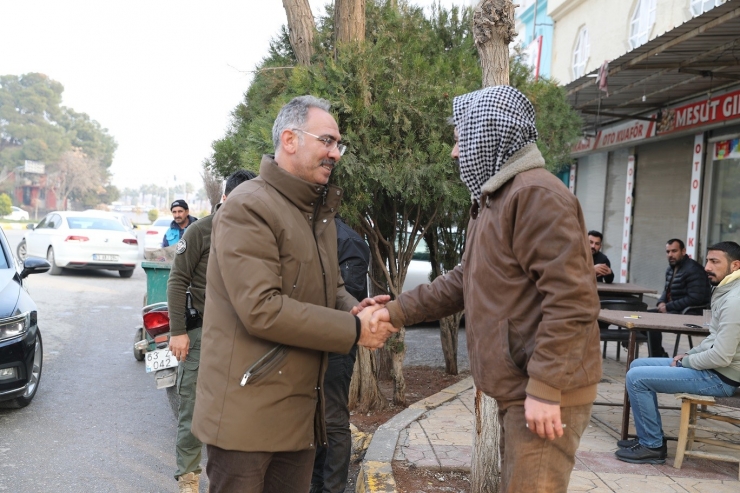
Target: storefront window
725 199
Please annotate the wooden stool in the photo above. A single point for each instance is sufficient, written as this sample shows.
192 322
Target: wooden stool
687 431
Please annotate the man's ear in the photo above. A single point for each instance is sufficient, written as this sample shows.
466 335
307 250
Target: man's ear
734 265
289 141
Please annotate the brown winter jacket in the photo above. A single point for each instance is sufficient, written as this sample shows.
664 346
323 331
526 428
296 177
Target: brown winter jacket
273 279
527 285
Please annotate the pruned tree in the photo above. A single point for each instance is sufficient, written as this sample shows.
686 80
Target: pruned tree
301 28
349 21
75 174
212 184
493 29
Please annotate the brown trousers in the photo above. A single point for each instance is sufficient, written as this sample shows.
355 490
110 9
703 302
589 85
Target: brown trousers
535 465
231 471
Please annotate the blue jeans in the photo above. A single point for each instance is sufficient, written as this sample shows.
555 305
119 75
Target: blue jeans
647 376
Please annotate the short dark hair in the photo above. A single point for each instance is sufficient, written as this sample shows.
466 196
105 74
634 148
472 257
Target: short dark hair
676 240
731 249
237 178
595 233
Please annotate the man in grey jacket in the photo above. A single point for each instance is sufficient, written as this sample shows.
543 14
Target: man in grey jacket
711 368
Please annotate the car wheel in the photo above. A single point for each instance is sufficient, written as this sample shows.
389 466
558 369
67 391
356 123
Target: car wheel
21 251
174 398
139 354
33 381
55 269
126 273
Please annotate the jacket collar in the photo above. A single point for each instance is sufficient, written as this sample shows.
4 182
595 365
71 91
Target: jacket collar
299 192
730 279
525 159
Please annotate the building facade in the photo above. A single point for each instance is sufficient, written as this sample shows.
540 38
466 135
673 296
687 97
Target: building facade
535 35
660 157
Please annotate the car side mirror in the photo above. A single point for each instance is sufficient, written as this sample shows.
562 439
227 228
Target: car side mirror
34 265
30 226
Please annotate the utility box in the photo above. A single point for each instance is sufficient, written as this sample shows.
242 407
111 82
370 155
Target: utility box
157 275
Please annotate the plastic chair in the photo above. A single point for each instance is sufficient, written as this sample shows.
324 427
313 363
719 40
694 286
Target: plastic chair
620 335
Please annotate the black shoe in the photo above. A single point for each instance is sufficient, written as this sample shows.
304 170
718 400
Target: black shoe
631 442
316 488
642 455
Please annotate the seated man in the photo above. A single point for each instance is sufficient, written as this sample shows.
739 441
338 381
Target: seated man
602 266
711 368
686 284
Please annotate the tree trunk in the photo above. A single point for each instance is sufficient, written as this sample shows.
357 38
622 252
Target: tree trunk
349 21
493 30
448 328
485 469
301 27
364 392
398 351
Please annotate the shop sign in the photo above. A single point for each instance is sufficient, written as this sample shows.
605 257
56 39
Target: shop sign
572 178
626 132
627 226
698 113
696 168
727 149
708 111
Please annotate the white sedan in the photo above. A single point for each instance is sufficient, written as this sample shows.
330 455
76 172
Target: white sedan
17 214
155 232
81 240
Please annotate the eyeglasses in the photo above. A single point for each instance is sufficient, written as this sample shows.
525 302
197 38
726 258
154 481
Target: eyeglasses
329 142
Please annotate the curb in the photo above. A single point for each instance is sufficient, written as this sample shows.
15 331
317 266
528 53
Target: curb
13 225
376 471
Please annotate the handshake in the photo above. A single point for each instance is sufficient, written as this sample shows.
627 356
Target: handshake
375 322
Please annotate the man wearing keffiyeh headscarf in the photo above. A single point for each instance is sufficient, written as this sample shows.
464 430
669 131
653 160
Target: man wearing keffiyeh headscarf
527 286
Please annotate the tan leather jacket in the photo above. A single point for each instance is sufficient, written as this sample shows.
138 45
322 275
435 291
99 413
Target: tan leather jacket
528 289
275 302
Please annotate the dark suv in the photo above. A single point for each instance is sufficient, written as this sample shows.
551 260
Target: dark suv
21 353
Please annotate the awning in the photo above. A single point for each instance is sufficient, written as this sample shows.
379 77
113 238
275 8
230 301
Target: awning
698 58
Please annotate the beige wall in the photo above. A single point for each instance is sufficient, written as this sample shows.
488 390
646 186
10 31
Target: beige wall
608 24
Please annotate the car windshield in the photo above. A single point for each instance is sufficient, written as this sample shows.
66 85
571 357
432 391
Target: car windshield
94 223
162 222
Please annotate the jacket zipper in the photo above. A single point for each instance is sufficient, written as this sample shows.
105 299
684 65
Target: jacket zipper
316 241
259 364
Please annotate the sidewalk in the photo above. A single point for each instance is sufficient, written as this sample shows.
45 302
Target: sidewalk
437 433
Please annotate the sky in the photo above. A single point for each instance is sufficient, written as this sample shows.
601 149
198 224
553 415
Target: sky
161 75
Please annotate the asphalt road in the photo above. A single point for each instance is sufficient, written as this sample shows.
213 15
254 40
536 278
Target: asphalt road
97 423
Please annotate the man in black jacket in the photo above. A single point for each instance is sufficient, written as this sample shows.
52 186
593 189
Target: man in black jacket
686 285
331 465
602 266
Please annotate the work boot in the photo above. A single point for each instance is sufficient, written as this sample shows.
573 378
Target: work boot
638 454
631 442
189 483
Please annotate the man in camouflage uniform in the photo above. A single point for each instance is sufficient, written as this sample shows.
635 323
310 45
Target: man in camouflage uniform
188 275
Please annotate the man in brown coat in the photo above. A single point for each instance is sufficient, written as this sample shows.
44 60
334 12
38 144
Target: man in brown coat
275 304
528 288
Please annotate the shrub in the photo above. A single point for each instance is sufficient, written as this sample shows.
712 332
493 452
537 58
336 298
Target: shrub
153 214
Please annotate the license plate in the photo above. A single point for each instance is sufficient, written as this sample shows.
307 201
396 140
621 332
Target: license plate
159 360
109 258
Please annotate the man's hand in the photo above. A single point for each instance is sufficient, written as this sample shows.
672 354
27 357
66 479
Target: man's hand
676 358
543 419
602 270
179 345
380 299
661 308
374 331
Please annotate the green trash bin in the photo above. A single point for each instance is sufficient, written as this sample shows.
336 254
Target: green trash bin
157 275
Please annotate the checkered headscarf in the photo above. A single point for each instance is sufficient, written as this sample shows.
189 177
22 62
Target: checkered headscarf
492 124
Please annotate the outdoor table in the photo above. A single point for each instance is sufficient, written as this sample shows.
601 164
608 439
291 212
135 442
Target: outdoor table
663 322
622 289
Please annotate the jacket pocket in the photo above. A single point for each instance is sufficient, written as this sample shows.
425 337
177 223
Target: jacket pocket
297 281
515 357
264 365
